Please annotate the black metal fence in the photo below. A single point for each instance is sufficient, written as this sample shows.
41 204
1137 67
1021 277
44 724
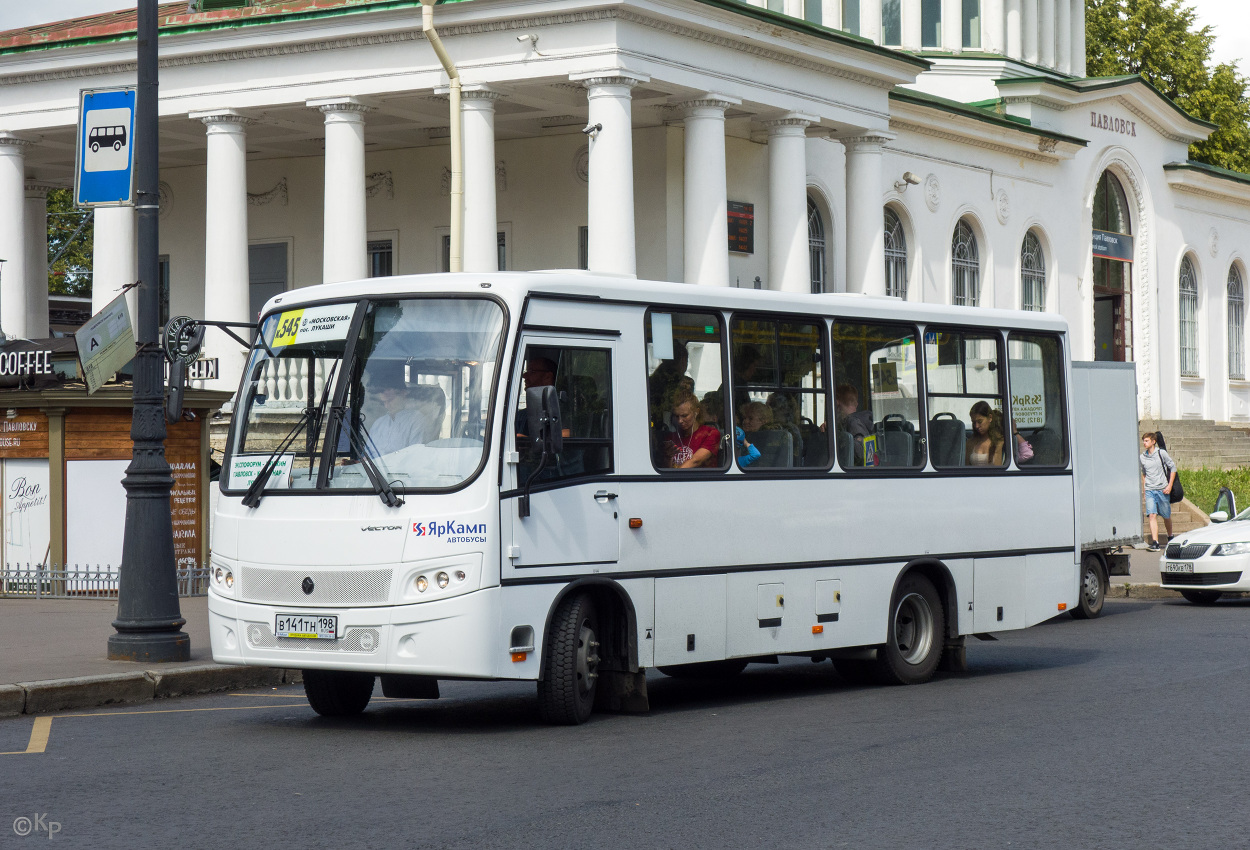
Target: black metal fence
49 581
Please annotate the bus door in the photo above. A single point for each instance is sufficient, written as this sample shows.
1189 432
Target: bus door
573 516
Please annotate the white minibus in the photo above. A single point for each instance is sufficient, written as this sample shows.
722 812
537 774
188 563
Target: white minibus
569 478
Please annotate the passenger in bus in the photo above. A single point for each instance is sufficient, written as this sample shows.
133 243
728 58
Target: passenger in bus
985 447
756 416
852 423
694 444
746 362
539 372
713 408
430 403
1024 449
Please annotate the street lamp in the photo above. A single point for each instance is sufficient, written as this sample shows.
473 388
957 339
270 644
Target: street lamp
149 622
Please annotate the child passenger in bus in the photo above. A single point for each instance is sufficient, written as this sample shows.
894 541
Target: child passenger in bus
985 448
694 444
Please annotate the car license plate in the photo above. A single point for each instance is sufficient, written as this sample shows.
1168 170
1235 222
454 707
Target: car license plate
1179 567
317 627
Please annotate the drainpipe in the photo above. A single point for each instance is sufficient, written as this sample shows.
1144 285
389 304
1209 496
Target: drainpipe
457 146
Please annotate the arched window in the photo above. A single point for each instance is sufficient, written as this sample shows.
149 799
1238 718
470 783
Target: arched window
1236 326
816 247
965 266
1032 274
1113 278
1189 319
895 256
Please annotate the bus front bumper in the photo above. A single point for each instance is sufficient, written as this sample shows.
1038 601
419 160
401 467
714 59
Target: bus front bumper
456 637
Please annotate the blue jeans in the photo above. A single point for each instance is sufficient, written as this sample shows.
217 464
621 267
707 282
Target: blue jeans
1157 503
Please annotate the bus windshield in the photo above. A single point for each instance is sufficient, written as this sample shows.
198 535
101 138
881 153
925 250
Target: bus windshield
397 397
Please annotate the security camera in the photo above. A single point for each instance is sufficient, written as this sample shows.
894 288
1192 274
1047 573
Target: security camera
591 129
911 178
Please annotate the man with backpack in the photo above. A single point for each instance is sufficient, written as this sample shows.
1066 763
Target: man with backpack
1158 475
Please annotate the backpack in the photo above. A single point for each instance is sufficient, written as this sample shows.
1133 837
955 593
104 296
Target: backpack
1178 489
1160 442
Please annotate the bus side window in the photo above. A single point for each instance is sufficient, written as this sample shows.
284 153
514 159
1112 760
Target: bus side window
780 398
963 379
685 390
1035 371
877 410
583 381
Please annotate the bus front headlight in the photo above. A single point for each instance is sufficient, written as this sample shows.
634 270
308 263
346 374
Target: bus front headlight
422 584
443 580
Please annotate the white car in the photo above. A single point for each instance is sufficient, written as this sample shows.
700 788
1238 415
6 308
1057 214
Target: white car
1206 563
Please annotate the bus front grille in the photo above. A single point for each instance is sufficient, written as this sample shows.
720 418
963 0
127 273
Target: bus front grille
328 587
1200 579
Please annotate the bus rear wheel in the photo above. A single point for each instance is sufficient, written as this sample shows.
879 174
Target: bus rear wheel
1202 597
566 692
338 693
913 643
1093 591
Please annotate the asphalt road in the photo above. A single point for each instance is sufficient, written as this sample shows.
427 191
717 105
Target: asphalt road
1127 731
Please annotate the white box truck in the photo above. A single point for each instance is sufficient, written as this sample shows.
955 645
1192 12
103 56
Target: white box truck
1108 477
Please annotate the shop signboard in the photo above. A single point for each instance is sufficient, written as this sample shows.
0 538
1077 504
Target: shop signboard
1113 246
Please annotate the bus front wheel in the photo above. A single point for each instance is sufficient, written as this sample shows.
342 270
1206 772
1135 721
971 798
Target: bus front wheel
338 693
913 644
566 693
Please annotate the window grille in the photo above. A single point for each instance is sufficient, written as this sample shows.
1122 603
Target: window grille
895 256
965 266
816 247
1032 274
1189 319
1236 326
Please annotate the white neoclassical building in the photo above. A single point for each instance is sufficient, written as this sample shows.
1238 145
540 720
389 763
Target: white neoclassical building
933 150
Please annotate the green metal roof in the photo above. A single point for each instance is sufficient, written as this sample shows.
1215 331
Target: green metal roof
979 113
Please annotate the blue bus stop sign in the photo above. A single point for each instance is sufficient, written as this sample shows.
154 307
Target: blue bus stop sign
106 124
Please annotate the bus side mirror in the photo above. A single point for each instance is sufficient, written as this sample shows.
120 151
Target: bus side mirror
542 410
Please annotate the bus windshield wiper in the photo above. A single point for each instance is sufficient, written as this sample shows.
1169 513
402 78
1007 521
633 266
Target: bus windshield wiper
380 485
256 490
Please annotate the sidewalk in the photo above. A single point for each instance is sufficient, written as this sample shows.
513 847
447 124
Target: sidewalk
55 658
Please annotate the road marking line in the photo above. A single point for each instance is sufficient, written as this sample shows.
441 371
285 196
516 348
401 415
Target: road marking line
186 710
38 738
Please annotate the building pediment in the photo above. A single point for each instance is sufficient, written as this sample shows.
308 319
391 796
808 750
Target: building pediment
1126 105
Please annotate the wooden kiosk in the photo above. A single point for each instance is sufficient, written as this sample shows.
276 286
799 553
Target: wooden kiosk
63 454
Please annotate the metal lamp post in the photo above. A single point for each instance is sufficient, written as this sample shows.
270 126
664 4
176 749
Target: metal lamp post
149 621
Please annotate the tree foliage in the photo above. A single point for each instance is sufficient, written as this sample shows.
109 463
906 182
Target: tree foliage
70 245
1161 41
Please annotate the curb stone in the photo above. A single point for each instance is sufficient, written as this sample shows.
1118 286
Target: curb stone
12 700
140 686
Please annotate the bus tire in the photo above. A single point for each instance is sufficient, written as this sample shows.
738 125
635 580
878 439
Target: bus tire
913 643
1092 593
1202 597
726 669
566 692
338 693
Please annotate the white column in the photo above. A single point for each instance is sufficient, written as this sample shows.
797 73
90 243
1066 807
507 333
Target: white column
992 24
481 218
705 229
1046 37
344 237
114 258
865 217
1078 38
870 20
611 171
36 261
1028 28
1063 34
1013 36
952 25
788 262
226 283
911 24
13 235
